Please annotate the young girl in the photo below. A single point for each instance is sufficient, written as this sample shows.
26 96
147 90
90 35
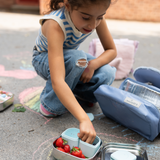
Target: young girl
67 70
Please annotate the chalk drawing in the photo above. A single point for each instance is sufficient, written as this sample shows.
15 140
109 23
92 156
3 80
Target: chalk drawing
113 123
116 126
124 130
44 149
102 116
30 98
18 74
152 149
128 134
18 56
26 66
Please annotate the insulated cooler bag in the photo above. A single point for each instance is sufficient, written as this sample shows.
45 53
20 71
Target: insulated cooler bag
135 105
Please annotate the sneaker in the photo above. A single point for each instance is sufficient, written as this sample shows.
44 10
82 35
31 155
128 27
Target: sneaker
45 113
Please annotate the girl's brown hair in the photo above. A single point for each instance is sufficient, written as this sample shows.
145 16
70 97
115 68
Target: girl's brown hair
56 4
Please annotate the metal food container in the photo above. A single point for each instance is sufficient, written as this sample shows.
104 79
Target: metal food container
65 156
110 148
6 99
104 152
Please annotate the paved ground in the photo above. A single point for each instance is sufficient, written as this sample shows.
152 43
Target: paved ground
27 135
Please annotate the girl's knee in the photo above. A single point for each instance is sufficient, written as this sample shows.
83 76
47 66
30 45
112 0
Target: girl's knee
81 59
76 57
82 63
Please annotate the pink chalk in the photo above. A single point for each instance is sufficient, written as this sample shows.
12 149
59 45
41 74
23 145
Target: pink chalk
19 74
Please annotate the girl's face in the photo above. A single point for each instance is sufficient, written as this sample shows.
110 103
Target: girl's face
87 18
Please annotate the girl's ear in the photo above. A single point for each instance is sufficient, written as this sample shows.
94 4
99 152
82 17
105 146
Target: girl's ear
67 5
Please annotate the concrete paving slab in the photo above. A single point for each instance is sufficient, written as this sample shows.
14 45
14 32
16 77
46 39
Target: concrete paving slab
29 136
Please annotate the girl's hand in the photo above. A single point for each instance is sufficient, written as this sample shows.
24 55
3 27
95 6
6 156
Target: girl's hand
88 73
87 132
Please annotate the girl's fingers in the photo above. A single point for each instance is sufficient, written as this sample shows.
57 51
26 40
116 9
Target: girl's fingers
84 80
90 139
87 138
80 135
84 138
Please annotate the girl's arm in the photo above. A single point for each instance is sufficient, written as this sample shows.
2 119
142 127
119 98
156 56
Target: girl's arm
55 37
107 56
108 44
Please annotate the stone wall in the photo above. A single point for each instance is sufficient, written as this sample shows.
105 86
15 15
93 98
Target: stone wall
138 10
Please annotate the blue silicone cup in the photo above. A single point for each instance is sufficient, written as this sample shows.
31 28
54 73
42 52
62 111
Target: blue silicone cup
70 135
90 149
87 149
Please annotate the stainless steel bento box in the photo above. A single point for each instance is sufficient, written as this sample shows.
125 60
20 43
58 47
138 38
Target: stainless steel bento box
104 152
109 148
6 99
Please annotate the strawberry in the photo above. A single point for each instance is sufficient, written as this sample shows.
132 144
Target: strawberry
60 149
83 156
67 148
76 152
60 142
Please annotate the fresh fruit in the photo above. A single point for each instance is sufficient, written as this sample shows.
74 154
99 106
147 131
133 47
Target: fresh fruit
60 149
76 152
83 156
60 142
62 146
67 148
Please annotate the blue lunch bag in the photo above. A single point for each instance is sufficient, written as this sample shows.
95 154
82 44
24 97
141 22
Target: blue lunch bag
134 104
